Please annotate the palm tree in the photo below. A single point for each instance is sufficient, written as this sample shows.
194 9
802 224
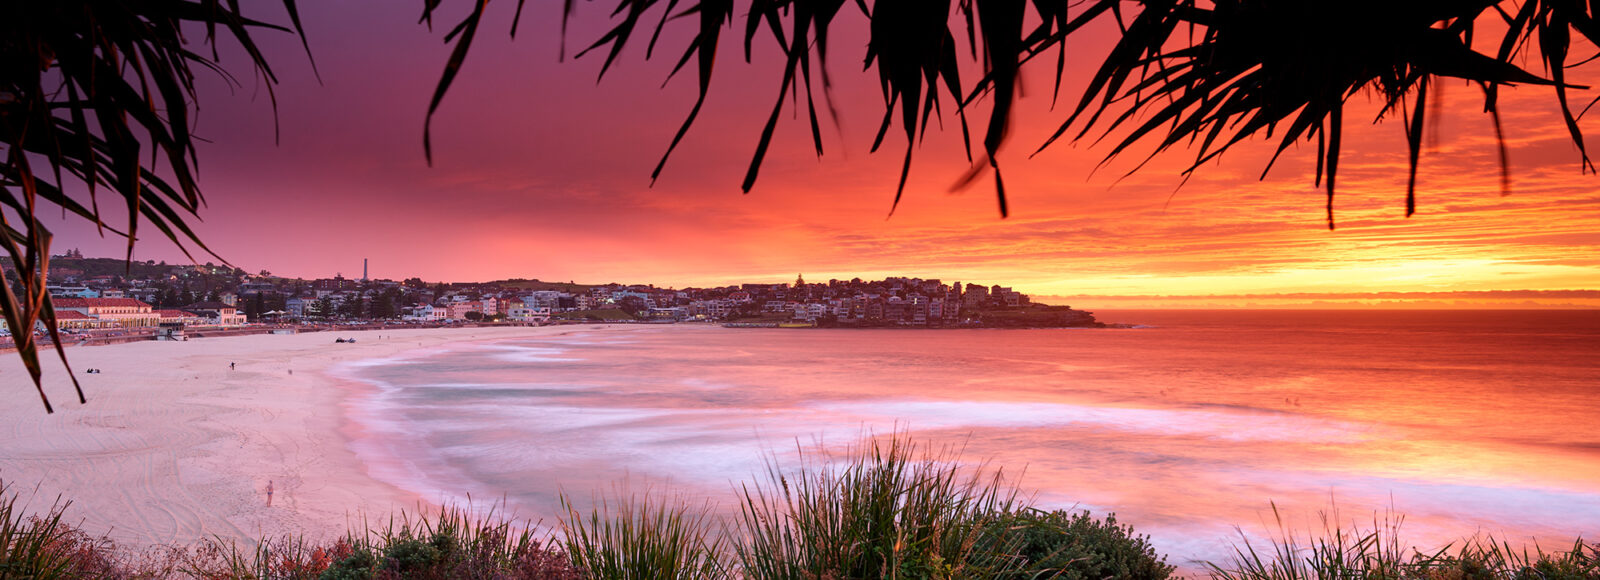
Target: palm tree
96 97
1205 74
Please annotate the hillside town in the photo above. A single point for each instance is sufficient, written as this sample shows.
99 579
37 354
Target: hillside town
92 294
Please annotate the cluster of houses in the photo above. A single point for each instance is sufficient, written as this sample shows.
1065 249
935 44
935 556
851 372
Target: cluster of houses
110 302
893 301
462 307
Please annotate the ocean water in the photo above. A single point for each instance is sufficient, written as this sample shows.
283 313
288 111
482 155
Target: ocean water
1192 427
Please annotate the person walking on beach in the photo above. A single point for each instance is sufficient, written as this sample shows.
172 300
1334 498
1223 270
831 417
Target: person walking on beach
230 366
269 493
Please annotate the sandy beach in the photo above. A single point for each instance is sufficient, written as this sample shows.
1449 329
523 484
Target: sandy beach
174 445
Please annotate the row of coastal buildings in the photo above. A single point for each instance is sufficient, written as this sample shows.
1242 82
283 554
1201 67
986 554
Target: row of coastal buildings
892 301
73 313
149 294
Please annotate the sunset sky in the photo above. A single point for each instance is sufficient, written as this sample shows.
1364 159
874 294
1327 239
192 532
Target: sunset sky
541 173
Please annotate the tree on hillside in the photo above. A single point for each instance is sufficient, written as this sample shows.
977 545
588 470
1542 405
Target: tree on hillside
383 305
353 307
276 302
632 305
100 94
164 297
256 305
325 307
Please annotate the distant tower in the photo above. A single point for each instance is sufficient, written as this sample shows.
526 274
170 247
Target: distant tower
363 269
800 280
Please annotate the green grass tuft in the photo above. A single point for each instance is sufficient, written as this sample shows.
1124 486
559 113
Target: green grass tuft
1377 553
645 536
33 547
881 510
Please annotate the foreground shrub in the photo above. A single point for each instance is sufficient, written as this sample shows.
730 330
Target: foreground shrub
356 565
1075 546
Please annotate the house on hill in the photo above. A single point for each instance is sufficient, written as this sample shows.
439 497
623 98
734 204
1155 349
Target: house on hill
300 306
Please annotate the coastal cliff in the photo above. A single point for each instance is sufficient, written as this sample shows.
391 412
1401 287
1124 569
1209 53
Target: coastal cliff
1037 316
1029 316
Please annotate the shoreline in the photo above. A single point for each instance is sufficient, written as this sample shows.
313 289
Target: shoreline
175 446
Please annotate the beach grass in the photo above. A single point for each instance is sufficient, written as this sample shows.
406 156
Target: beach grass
453 542
645 535
33 546
1376 552
882 509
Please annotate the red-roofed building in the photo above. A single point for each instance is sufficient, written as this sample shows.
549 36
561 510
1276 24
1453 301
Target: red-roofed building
72 319
109 312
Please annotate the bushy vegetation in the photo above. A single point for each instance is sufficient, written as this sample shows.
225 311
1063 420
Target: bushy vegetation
450 544
1076 546
879 510
1376 553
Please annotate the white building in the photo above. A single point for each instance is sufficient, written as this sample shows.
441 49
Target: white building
217 314
123 312
422 313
